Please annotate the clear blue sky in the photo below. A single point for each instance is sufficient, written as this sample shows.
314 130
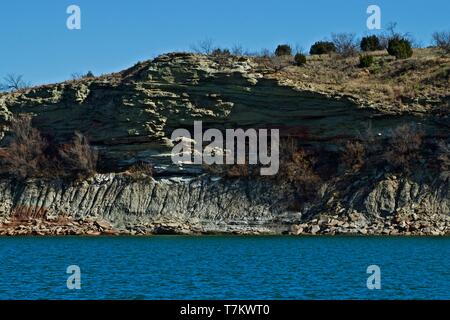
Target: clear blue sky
115 34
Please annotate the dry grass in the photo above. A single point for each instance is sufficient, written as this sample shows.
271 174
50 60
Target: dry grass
275 63
415 83
233 171
140 170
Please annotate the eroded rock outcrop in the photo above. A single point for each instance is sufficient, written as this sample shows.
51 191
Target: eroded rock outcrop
129 116
206 203
210 205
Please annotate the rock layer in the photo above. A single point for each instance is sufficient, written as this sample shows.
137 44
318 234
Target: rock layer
213 205
129 116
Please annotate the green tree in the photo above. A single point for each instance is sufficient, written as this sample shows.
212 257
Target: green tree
365 61
322 47
300 59
400 48
283 50
370 43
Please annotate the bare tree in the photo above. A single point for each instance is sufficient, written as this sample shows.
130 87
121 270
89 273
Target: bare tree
392 33
12 82
391 26
79 157
299 49
25 155
28 153
76 76
413 41
265 53
237 50
442 40
404 146
204 47
389 34
345 43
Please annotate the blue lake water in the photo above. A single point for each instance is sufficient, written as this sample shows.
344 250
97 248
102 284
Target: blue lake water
216 267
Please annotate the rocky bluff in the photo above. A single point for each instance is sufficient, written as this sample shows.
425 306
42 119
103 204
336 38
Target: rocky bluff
129 117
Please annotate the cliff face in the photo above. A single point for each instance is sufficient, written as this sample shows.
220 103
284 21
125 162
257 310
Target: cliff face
210 204
202 204
129 116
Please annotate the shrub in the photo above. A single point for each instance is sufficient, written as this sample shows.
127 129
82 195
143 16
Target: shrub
322 47
233 171
442 40
221 52
296 167
237 50
365 61
345 44
400 48
30 155
443 157
25 156
220 55
353 156
370 43
76 76
89 74
404 147
78 158
276 63
237 171
203 47
140 169
283 50
300 59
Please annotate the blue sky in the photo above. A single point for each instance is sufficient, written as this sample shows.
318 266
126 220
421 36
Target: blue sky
115 34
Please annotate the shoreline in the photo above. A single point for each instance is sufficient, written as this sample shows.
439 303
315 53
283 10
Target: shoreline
89 227
116 204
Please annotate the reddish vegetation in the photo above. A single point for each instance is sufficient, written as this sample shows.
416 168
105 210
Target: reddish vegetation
352 157
27 220
404 147
30 155
24 213
297 167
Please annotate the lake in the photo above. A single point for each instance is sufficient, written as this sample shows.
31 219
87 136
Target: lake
225 267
